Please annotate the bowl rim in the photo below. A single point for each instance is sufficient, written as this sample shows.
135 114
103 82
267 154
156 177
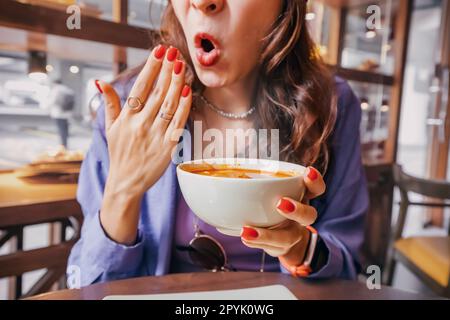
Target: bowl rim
295 177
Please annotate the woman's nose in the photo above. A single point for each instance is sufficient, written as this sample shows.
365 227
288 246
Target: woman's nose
208 6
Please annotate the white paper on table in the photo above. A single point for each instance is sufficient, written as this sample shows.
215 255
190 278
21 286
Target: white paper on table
273 292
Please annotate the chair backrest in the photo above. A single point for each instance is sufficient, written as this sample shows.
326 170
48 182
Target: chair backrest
53 257
439 189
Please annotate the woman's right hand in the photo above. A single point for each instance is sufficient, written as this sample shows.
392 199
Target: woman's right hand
140 142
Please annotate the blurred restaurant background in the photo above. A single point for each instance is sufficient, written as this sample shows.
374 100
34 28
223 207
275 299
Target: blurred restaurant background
399 69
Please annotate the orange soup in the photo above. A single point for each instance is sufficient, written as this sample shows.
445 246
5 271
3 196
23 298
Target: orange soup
229 171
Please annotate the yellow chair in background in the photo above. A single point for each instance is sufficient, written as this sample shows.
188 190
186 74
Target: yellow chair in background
427 257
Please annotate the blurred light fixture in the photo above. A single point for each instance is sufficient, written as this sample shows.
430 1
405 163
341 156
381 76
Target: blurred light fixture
310 16
435 86
74 69
434 89
323 50
49 68
37 76
37 62
364 104
132 15
384 106
370 34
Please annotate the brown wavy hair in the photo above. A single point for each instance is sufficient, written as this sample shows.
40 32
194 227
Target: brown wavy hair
295 93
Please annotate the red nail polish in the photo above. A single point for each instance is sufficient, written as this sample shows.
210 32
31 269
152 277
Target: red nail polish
312 174
172 54
98 87
178 67
186 91
249 233
286 206
160 51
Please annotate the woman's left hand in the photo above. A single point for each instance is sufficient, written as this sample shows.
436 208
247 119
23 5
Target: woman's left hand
290 239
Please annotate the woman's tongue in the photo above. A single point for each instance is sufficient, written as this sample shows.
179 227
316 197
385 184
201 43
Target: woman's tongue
207 58
207 53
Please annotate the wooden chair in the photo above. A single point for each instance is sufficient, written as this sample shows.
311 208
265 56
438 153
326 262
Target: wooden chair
53 258
427 257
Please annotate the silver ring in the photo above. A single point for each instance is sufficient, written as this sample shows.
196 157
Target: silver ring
166 116
134 103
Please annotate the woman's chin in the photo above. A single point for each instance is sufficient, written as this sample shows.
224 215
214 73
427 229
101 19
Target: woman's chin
211 79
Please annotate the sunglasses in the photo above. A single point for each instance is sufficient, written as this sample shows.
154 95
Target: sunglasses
206 252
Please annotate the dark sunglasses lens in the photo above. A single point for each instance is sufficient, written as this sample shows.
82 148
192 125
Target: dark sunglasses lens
206 253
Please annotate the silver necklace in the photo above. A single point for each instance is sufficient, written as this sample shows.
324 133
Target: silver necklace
228 115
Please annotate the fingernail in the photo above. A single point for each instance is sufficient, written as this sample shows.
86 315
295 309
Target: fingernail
160 51
98 87
285 205
172 54
186 91
178 67
249 233
312 174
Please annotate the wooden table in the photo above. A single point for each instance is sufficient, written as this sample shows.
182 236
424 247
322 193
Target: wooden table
25 202
303 289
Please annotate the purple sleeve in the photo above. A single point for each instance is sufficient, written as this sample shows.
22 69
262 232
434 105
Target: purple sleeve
342 209
97 257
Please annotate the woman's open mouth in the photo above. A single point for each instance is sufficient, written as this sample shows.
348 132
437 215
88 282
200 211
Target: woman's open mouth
208 51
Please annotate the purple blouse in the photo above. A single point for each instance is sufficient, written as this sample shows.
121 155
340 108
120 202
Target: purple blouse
239 256
165 220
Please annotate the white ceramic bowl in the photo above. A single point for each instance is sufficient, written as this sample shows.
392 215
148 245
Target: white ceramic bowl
230 203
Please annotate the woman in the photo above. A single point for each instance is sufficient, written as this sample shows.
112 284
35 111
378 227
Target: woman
238 57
